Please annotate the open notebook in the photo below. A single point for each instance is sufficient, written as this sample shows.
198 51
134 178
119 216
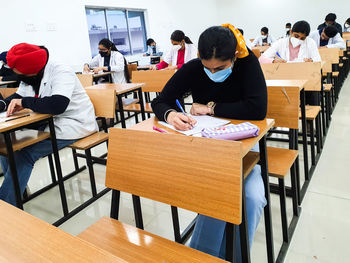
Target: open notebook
202 122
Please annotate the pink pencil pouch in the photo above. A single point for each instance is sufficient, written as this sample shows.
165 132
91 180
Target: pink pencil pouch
232 132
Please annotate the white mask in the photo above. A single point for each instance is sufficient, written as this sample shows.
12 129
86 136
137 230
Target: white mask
287 29
296 42
346 25
177 47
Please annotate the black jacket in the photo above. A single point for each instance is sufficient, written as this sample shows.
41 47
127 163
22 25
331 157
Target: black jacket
338 26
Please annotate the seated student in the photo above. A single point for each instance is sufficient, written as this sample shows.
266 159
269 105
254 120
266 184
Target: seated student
287 29
347 25
153 50
6 74
328 37
110 59
330 21
265 39
181 52
298 47
226 81
247 42
46 87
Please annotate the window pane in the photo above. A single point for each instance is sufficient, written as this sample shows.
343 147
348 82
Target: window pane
118 30
138 31
97 28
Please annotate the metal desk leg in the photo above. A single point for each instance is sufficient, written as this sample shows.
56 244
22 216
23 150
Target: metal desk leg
121 110
142 105
267 209
304 131
58 167
243 229
11 160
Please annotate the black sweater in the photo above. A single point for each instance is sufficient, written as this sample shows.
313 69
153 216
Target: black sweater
243 95
8 74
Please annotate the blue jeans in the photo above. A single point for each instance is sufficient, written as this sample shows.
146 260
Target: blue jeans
25 160
209 233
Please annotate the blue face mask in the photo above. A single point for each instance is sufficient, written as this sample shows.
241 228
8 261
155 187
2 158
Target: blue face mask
219 76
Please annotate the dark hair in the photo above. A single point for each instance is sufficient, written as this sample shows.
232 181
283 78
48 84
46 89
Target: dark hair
289 24
110 45
331 17
178 36
217 42
347 21
241 30
150 41
265 30
3 57
330 31
301 27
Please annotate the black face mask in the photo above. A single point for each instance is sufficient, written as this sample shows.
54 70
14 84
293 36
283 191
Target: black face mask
103 54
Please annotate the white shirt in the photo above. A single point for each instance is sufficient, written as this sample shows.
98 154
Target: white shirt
308 49
335 42
116 63
190 53
259 40
79 118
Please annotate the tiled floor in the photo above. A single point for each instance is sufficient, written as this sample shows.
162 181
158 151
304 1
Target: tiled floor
322 232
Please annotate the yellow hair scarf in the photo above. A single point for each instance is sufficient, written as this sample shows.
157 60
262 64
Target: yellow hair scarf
241 47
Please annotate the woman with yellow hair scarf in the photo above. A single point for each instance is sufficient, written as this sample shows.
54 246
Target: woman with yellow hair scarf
226 81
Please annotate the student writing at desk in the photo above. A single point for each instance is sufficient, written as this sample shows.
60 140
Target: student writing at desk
330 21
153 49
50 88
181 52
109 59
298 47
227 82
347 25
328 37
6 74
264 39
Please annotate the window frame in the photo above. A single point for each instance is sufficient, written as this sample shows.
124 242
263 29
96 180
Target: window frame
126 11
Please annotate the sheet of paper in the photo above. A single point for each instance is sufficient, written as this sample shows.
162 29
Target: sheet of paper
202 122
3 116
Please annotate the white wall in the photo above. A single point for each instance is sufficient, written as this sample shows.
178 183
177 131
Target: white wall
70 41
252 15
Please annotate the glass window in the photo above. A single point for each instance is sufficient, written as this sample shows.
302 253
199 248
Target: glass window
138 31
97 28
118 30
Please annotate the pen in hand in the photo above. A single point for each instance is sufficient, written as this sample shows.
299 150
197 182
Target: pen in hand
182 110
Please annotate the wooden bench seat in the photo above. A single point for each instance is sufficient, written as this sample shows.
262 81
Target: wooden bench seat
23 138
136 245
280 161
311 112
137 108
327 87
90 141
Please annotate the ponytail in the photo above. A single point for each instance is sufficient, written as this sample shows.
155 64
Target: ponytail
110 45
188 40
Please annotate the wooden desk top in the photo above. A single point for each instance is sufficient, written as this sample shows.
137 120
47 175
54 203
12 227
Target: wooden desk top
25 238
119 88
13 124
97 75
247 144
286 83
262 48
3 83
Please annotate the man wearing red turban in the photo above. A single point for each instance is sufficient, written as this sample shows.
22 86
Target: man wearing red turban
50 88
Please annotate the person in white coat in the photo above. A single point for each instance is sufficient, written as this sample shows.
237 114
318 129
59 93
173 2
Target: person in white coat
298 47
247 41
109 59
347 26
182 51
265 39
328 37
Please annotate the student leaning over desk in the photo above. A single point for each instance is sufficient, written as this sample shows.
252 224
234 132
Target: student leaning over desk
264 39
46 87
328 38
109 59
181 52
298 47
227 82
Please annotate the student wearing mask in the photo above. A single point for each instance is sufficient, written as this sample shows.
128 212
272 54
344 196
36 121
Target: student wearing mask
287 29
298 47
181 52
265 39
6 74
153 49
50 88
328 37
347 25
330 21
226 81
110 59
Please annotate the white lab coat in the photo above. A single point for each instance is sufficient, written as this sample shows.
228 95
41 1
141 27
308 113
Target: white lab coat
190 53
116 64
248 44
259 41
308 49
334 42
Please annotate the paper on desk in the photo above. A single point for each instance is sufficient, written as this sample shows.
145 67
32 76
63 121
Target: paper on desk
3 116
202 122
297 60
